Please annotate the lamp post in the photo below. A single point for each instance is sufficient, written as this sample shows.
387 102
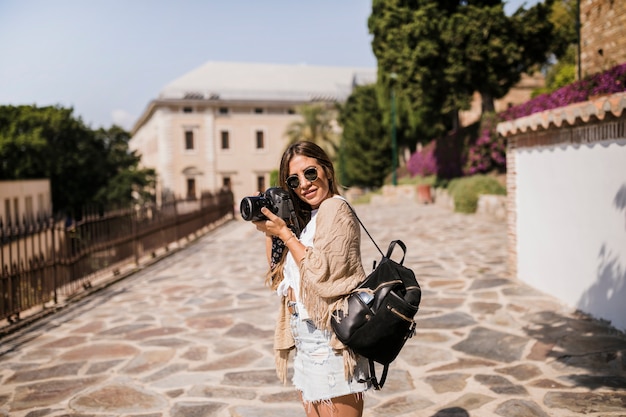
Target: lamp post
394 145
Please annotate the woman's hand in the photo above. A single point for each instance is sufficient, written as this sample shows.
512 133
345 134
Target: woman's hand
273 226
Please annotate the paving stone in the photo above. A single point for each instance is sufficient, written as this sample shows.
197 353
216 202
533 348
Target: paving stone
464 364
195 353
155 332
452 382
417 355
208 321
446 321
236 360
491 344
587 402
547 384
470 401
100 367
520 408
48 393
148 360
484 308
57 371
65 342
248 411
521 372
194 409
172 342
281 397
481 284
252 378
401 405
440 302
430 337
100 351
214 391
398 381
247 331
595 382
118 399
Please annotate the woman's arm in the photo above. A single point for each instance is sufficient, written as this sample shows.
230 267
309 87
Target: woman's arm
275 226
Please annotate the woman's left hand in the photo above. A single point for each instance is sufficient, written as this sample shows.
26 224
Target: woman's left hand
273 226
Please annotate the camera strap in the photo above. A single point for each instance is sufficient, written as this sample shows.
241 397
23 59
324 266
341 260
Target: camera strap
293 218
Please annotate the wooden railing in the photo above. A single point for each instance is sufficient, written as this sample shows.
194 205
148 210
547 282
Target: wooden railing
43 260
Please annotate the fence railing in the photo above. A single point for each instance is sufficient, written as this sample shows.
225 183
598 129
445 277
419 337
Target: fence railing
43 260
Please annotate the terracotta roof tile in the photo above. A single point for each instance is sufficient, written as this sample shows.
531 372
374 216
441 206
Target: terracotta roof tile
596 108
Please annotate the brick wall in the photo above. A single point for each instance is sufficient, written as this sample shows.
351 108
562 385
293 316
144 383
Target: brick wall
603 34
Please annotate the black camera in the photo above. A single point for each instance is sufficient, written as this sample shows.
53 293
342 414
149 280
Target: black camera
275 199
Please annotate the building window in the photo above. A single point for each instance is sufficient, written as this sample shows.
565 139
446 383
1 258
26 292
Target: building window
187 110
258 110
225 139
226 183
191 189
223 110
260 183
188 139
260 139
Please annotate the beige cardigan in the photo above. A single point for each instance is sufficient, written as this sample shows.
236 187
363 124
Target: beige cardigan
328 272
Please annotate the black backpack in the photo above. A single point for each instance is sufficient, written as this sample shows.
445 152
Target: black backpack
380 312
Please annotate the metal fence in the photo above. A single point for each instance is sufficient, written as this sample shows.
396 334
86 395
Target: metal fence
43 259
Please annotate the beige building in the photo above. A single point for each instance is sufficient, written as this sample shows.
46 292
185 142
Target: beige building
223 124
24 200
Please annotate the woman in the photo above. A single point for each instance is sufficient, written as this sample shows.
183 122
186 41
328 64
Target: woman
313 273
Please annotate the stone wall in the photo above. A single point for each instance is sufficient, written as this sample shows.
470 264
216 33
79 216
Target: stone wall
603 34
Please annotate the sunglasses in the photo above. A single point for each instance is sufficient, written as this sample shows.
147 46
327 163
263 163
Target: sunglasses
293 181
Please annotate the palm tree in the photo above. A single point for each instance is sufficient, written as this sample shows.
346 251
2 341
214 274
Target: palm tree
317 125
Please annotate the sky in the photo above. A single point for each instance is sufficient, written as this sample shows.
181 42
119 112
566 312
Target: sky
107 59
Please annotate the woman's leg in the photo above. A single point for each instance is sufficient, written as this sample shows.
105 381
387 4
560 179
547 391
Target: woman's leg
350 405
310 409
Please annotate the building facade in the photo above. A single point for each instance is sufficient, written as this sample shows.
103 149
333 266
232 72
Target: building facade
24 200
223 124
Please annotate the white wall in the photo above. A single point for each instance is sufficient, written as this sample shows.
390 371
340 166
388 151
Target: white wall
571 225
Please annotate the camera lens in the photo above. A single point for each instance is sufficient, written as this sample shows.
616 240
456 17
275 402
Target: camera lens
246 209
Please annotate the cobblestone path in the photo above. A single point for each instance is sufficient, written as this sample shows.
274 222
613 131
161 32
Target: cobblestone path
192 336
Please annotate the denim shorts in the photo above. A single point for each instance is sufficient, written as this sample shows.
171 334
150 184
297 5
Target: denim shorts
318 369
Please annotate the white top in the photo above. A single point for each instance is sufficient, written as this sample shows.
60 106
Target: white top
291 269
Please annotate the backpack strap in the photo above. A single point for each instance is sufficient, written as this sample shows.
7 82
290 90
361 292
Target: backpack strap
363 226
372 379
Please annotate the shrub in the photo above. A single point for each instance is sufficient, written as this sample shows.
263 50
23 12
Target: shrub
423 162
465 191
607 82
488 153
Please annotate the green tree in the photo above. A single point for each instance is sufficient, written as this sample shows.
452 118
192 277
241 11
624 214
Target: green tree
564 18
127 182
443 51
315 125
408 47
49 142
365 155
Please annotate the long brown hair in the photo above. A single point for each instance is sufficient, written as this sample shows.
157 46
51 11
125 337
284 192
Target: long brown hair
303 210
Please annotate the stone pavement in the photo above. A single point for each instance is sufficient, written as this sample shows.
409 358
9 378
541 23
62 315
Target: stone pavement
192 336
